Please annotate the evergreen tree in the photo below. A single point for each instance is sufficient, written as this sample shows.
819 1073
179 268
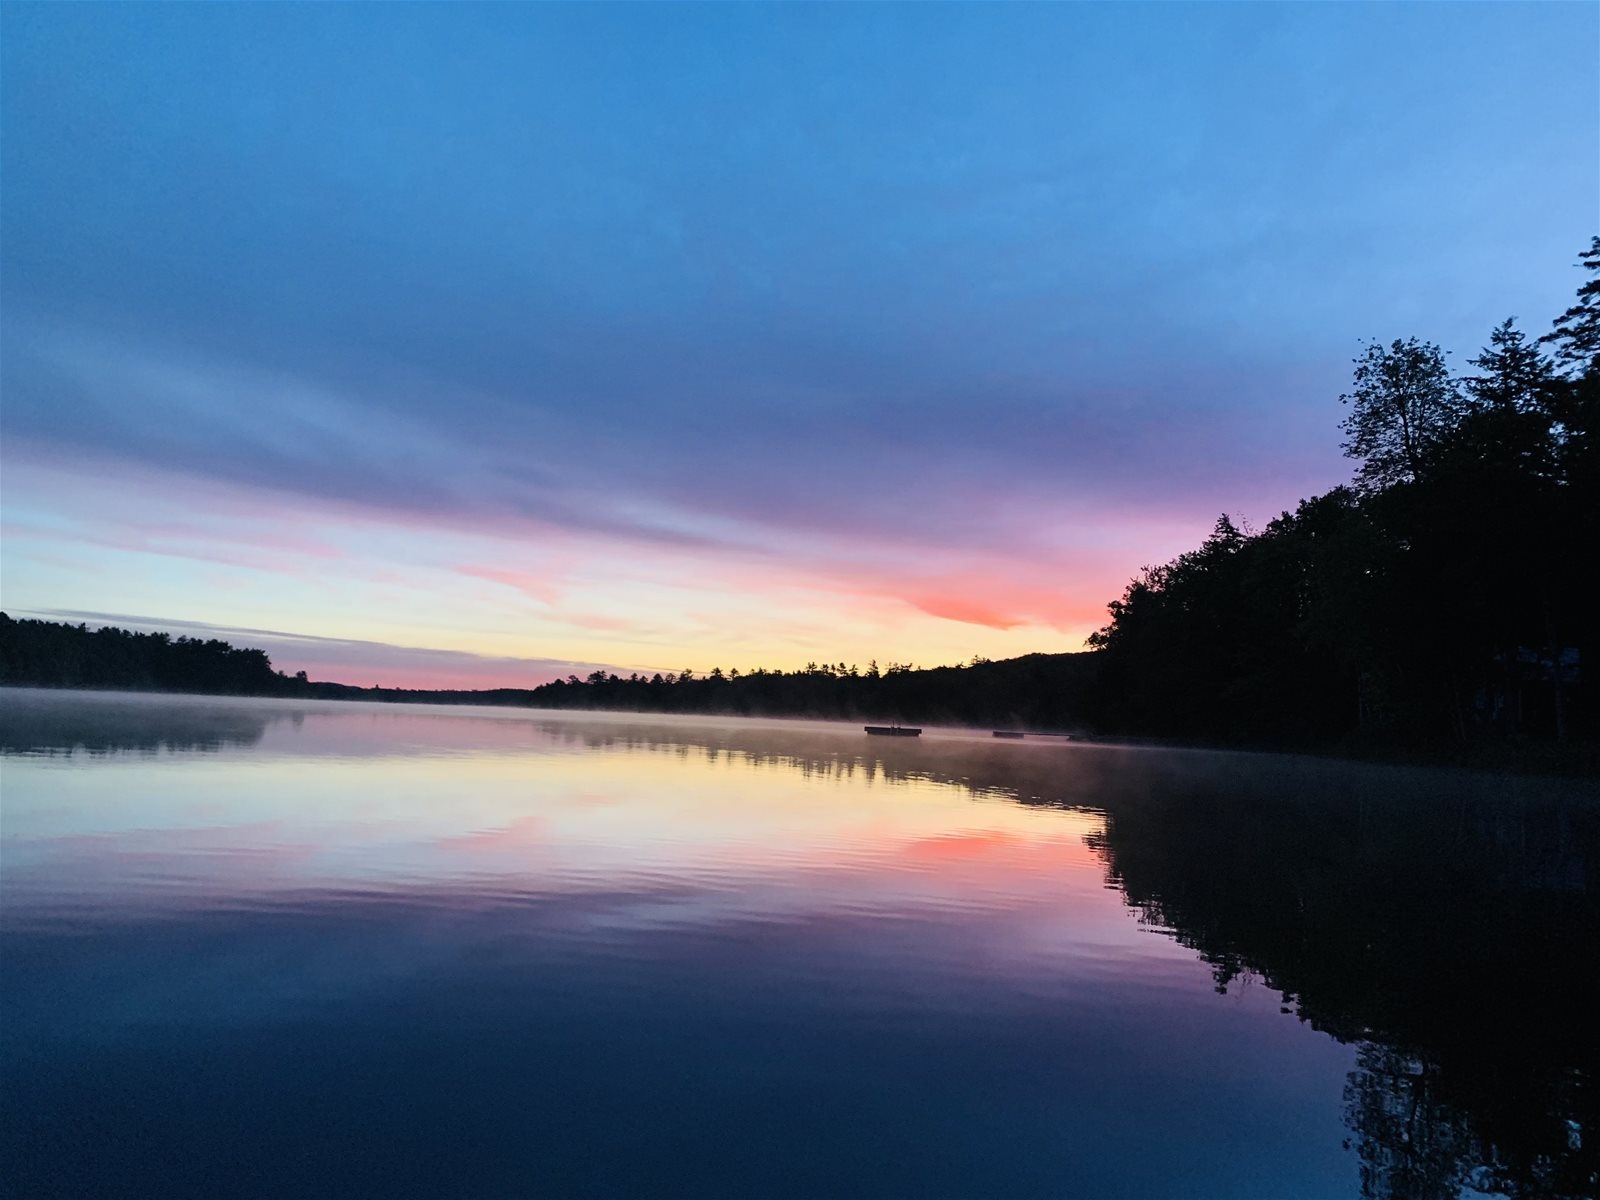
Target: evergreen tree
1576 335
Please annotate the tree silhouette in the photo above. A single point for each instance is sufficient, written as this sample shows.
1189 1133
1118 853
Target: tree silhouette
1403 406
1576 334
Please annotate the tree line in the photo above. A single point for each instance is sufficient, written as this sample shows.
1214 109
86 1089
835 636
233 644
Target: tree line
53 654
1036 691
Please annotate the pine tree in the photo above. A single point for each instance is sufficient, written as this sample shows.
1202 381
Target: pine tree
1576 335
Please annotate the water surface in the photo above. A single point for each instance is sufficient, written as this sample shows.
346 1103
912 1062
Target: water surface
259 948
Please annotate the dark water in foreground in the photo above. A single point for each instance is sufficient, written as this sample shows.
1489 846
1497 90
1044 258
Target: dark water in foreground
277 950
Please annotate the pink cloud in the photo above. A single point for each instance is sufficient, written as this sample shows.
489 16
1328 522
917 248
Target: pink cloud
535 586
960 608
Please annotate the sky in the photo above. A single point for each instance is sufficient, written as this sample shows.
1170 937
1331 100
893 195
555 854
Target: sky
476 345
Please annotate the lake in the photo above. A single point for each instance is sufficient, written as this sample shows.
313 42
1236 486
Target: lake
256 948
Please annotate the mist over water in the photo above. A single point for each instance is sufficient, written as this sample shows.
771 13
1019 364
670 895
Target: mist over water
265 948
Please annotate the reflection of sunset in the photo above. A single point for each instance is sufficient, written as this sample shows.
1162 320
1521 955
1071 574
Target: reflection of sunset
1011 852
473 807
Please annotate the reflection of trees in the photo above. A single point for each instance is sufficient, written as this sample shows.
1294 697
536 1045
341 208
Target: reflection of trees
1410 1144
1420 1137
63 723
1449 932
1447 924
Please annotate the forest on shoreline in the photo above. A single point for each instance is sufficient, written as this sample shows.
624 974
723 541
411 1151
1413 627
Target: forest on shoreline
1447 596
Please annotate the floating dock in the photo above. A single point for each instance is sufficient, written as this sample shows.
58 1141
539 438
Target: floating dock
893 730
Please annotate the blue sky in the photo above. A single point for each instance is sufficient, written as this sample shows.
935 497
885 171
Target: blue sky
677 335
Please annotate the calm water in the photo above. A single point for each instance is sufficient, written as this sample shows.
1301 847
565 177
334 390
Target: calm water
256 948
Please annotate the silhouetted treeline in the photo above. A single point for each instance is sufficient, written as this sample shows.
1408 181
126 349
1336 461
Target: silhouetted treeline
51 654
1039 691
1449 593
